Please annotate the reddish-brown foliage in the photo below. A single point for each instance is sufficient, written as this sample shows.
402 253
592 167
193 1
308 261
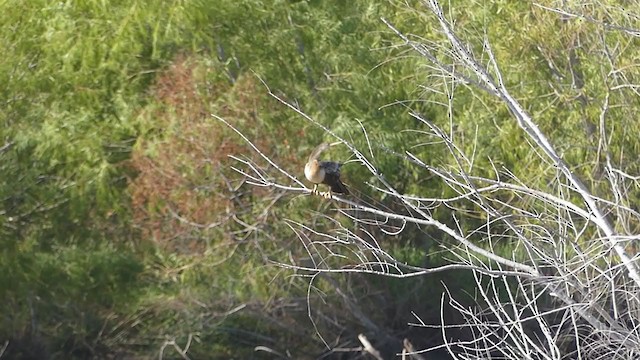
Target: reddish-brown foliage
183 166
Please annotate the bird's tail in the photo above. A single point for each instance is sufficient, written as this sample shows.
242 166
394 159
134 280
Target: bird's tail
339 188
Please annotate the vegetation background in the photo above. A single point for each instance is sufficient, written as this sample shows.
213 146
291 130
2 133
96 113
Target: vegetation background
124 233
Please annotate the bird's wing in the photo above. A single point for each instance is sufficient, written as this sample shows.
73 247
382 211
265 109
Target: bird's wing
331 167
332 177
333 180
317 151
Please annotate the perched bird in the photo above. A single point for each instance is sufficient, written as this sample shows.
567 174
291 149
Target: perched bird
324 172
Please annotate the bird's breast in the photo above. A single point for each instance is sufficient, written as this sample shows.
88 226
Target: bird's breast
314 173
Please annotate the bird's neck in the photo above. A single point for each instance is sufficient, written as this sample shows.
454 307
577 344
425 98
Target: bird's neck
313 172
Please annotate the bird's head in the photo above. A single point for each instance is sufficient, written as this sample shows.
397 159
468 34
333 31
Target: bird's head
317 151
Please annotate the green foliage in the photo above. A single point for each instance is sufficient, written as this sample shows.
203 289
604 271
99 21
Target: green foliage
65 296
112 171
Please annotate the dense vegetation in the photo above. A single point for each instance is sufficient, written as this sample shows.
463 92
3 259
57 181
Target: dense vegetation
123 228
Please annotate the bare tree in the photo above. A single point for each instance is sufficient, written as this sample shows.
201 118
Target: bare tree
571 288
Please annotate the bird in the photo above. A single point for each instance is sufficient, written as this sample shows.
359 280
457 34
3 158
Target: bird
324 172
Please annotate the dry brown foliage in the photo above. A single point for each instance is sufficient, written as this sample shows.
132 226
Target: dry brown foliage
184 187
